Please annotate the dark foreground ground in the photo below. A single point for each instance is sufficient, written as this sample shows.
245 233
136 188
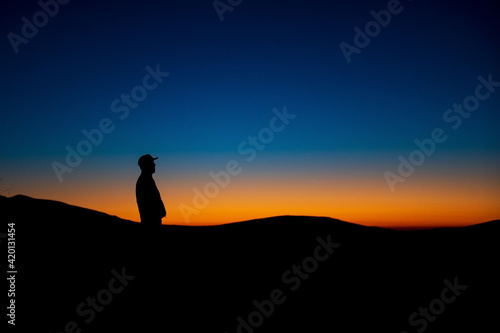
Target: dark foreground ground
83 271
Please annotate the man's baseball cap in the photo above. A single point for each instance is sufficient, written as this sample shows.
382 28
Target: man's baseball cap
146 159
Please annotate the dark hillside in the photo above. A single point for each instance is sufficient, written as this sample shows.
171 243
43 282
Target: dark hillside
322 274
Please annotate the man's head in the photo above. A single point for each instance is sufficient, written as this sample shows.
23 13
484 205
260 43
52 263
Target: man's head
147 163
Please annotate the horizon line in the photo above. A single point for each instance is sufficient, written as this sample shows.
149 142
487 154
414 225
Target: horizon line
389 226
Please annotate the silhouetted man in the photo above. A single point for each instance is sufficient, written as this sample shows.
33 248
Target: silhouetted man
149 201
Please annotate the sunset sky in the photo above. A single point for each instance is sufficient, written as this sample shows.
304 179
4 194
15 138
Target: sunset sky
286 104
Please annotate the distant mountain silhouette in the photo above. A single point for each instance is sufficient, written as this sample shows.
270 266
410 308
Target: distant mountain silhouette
224 278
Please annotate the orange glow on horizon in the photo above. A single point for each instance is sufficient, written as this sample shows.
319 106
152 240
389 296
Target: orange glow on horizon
427 202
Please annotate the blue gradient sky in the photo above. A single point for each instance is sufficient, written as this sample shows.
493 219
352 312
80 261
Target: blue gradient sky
353 120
